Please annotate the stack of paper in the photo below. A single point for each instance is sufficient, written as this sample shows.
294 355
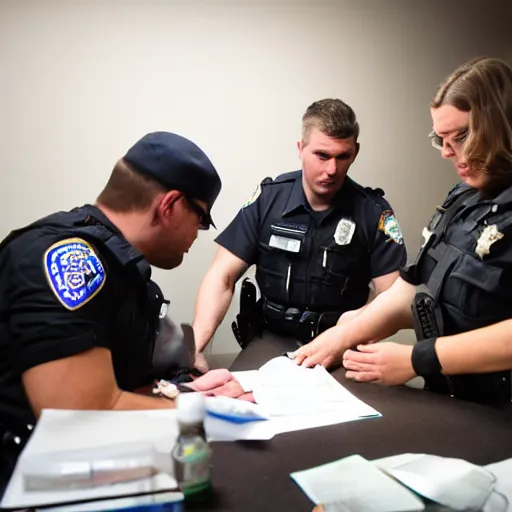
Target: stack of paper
297 398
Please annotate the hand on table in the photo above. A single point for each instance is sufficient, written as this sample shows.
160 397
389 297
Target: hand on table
326 349
385 363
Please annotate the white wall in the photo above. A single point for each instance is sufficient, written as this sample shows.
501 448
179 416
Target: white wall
80 81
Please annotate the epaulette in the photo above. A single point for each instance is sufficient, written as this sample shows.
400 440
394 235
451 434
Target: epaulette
375 195
287 177
378 191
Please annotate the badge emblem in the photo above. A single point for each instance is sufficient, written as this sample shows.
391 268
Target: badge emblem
253 198
389 226
74 272
426 233
488 236
344 231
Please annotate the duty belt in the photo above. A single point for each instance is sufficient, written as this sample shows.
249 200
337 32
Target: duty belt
290 321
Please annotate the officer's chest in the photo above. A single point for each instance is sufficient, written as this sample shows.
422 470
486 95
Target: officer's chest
482 231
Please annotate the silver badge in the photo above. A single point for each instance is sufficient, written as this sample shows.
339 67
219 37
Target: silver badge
488 236
344 232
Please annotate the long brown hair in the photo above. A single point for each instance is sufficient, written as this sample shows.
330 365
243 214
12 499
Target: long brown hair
483 87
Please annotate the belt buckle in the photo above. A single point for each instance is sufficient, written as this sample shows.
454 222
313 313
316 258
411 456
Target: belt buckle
291 314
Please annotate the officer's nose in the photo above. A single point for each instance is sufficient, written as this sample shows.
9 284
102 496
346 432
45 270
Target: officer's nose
331 167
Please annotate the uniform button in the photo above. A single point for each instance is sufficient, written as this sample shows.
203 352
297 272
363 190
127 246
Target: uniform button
494 208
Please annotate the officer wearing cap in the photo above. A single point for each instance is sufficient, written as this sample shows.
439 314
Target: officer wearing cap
79 314
317 238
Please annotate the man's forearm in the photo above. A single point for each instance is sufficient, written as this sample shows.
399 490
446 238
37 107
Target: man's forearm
132 401
389 312
212 303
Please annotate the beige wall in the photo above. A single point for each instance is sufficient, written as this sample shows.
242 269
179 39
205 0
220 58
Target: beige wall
81 80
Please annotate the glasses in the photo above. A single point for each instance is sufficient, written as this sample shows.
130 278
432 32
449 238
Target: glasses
204 218
438 142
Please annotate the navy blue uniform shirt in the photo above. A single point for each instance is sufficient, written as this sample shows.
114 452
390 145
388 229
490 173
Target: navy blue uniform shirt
321 261
62 293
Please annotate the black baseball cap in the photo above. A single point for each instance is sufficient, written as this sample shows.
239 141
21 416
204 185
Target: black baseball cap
177 164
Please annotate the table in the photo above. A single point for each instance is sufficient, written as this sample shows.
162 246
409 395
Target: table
254 476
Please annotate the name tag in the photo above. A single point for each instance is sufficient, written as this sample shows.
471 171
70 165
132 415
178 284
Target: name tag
284 243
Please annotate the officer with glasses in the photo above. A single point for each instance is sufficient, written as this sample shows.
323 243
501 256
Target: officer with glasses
457 295
79 315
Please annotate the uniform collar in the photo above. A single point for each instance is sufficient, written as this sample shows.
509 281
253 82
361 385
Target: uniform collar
297 197
95 212
504 197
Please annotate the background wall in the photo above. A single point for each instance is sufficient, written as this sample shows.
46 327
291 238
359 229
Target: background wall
80 81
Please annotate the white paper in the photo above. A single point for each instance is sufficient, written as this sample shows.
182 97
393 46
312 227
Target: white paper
61 430
501 498
451 482
353 483
247 379
298 398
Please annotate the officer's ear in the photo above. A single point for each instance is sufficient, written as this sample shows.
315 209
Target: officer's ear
166 205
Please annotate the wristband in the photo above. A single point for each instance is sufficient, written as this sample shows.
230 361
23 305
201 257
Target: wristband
424 358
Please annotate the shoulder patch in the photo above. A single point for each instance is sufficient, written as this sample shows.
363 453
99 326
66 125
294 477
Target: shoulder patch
389 226
376 191
253 197
74 271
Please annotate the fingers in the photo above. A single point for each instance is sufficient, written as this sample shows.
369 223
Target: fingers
362 376
358 357
371 347
310 361
358 367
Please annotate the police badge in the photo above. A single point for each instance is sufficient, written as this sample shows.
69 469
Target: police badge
344 231
74 272
488 236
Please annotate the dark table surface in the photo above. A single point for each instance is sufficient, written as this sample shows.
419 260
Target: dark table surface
255 475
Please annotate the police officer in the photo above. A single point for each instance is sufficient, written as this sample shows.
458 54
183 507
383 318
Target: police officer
317 238
460 286
79 315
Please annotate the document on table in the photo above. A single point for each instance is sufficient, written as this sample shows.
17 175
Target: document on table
353 483
502 471
297 398
454 483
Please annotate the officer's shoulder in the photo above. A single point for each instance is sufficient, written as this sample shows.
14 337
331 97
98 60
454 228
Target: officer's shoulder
39 242
268 187
287 177
374 196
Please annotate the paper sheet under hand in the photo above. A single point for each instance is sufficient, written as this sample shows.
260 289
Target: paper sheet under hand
298 398
353 483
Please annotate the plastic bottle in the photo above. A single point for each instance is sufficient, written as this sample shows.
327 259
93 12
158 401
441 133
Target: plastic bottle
191 455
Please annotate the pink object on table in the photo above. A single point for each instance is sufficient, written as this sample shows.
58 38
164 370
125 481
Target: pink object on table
220 383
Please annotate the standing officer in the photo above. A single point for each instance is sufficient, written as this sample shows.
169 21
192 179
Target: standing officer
317 238
79 314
